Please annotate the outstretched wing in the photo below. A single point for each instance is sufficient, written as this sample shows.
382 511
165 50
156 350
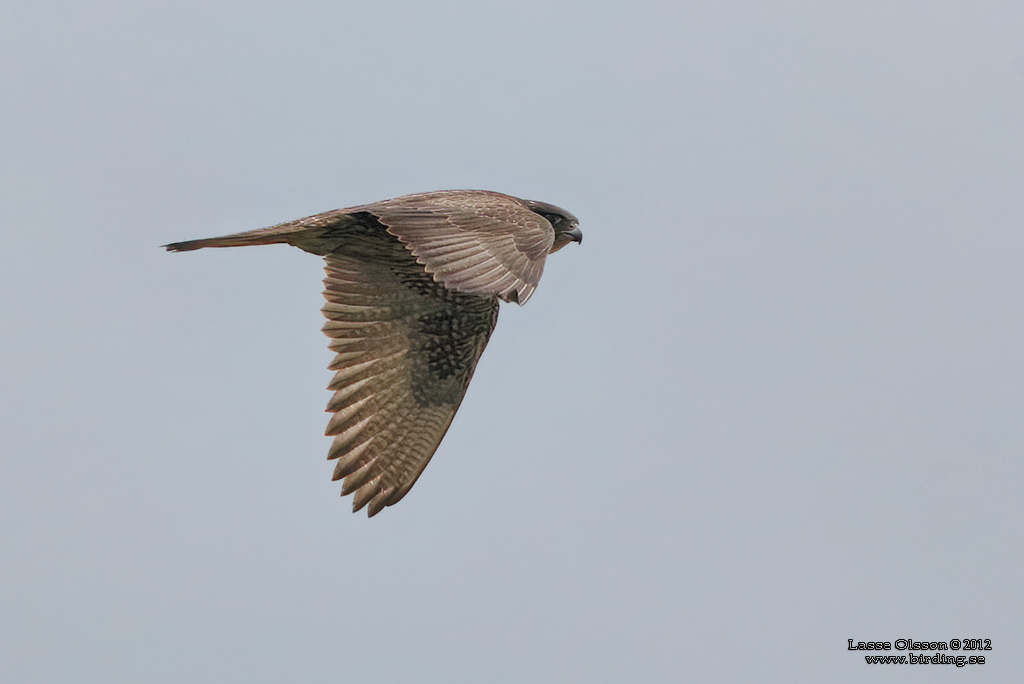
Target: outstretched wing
473 241
406 350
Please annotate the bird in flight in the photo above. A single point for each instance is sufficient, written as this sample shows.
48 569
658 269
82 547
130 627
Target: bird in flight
412 288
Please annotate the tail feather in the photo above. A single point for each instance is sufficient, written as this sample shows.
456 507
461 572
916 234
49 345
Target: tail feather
237 240
298 233
304 233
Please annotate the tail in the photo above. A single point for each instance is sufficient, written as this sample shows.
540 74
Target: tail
253 237
298 233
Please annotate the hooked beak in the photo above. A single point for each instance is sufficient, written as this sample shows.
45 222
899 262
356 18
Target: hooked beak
562 238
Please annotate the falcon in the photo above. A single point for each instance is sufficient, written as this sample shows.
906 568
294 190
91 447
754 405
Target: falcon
412 289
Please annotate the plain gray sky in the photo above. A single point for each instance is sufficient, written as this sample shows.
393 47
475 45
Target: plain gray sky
775 401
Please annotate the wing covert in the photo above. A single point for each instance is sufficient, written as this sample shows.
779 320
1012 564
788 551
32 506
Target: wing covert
474 242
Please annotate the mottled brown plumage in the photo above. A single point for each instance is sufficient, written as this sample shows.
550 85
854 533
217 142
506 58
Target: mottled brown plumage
412 290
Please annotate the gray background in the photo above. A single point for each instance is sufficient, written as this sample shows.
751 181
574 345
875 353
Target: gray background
773 402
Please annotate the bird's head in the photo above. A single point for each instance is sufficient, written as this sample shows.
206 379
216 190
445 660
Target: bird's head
566 225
